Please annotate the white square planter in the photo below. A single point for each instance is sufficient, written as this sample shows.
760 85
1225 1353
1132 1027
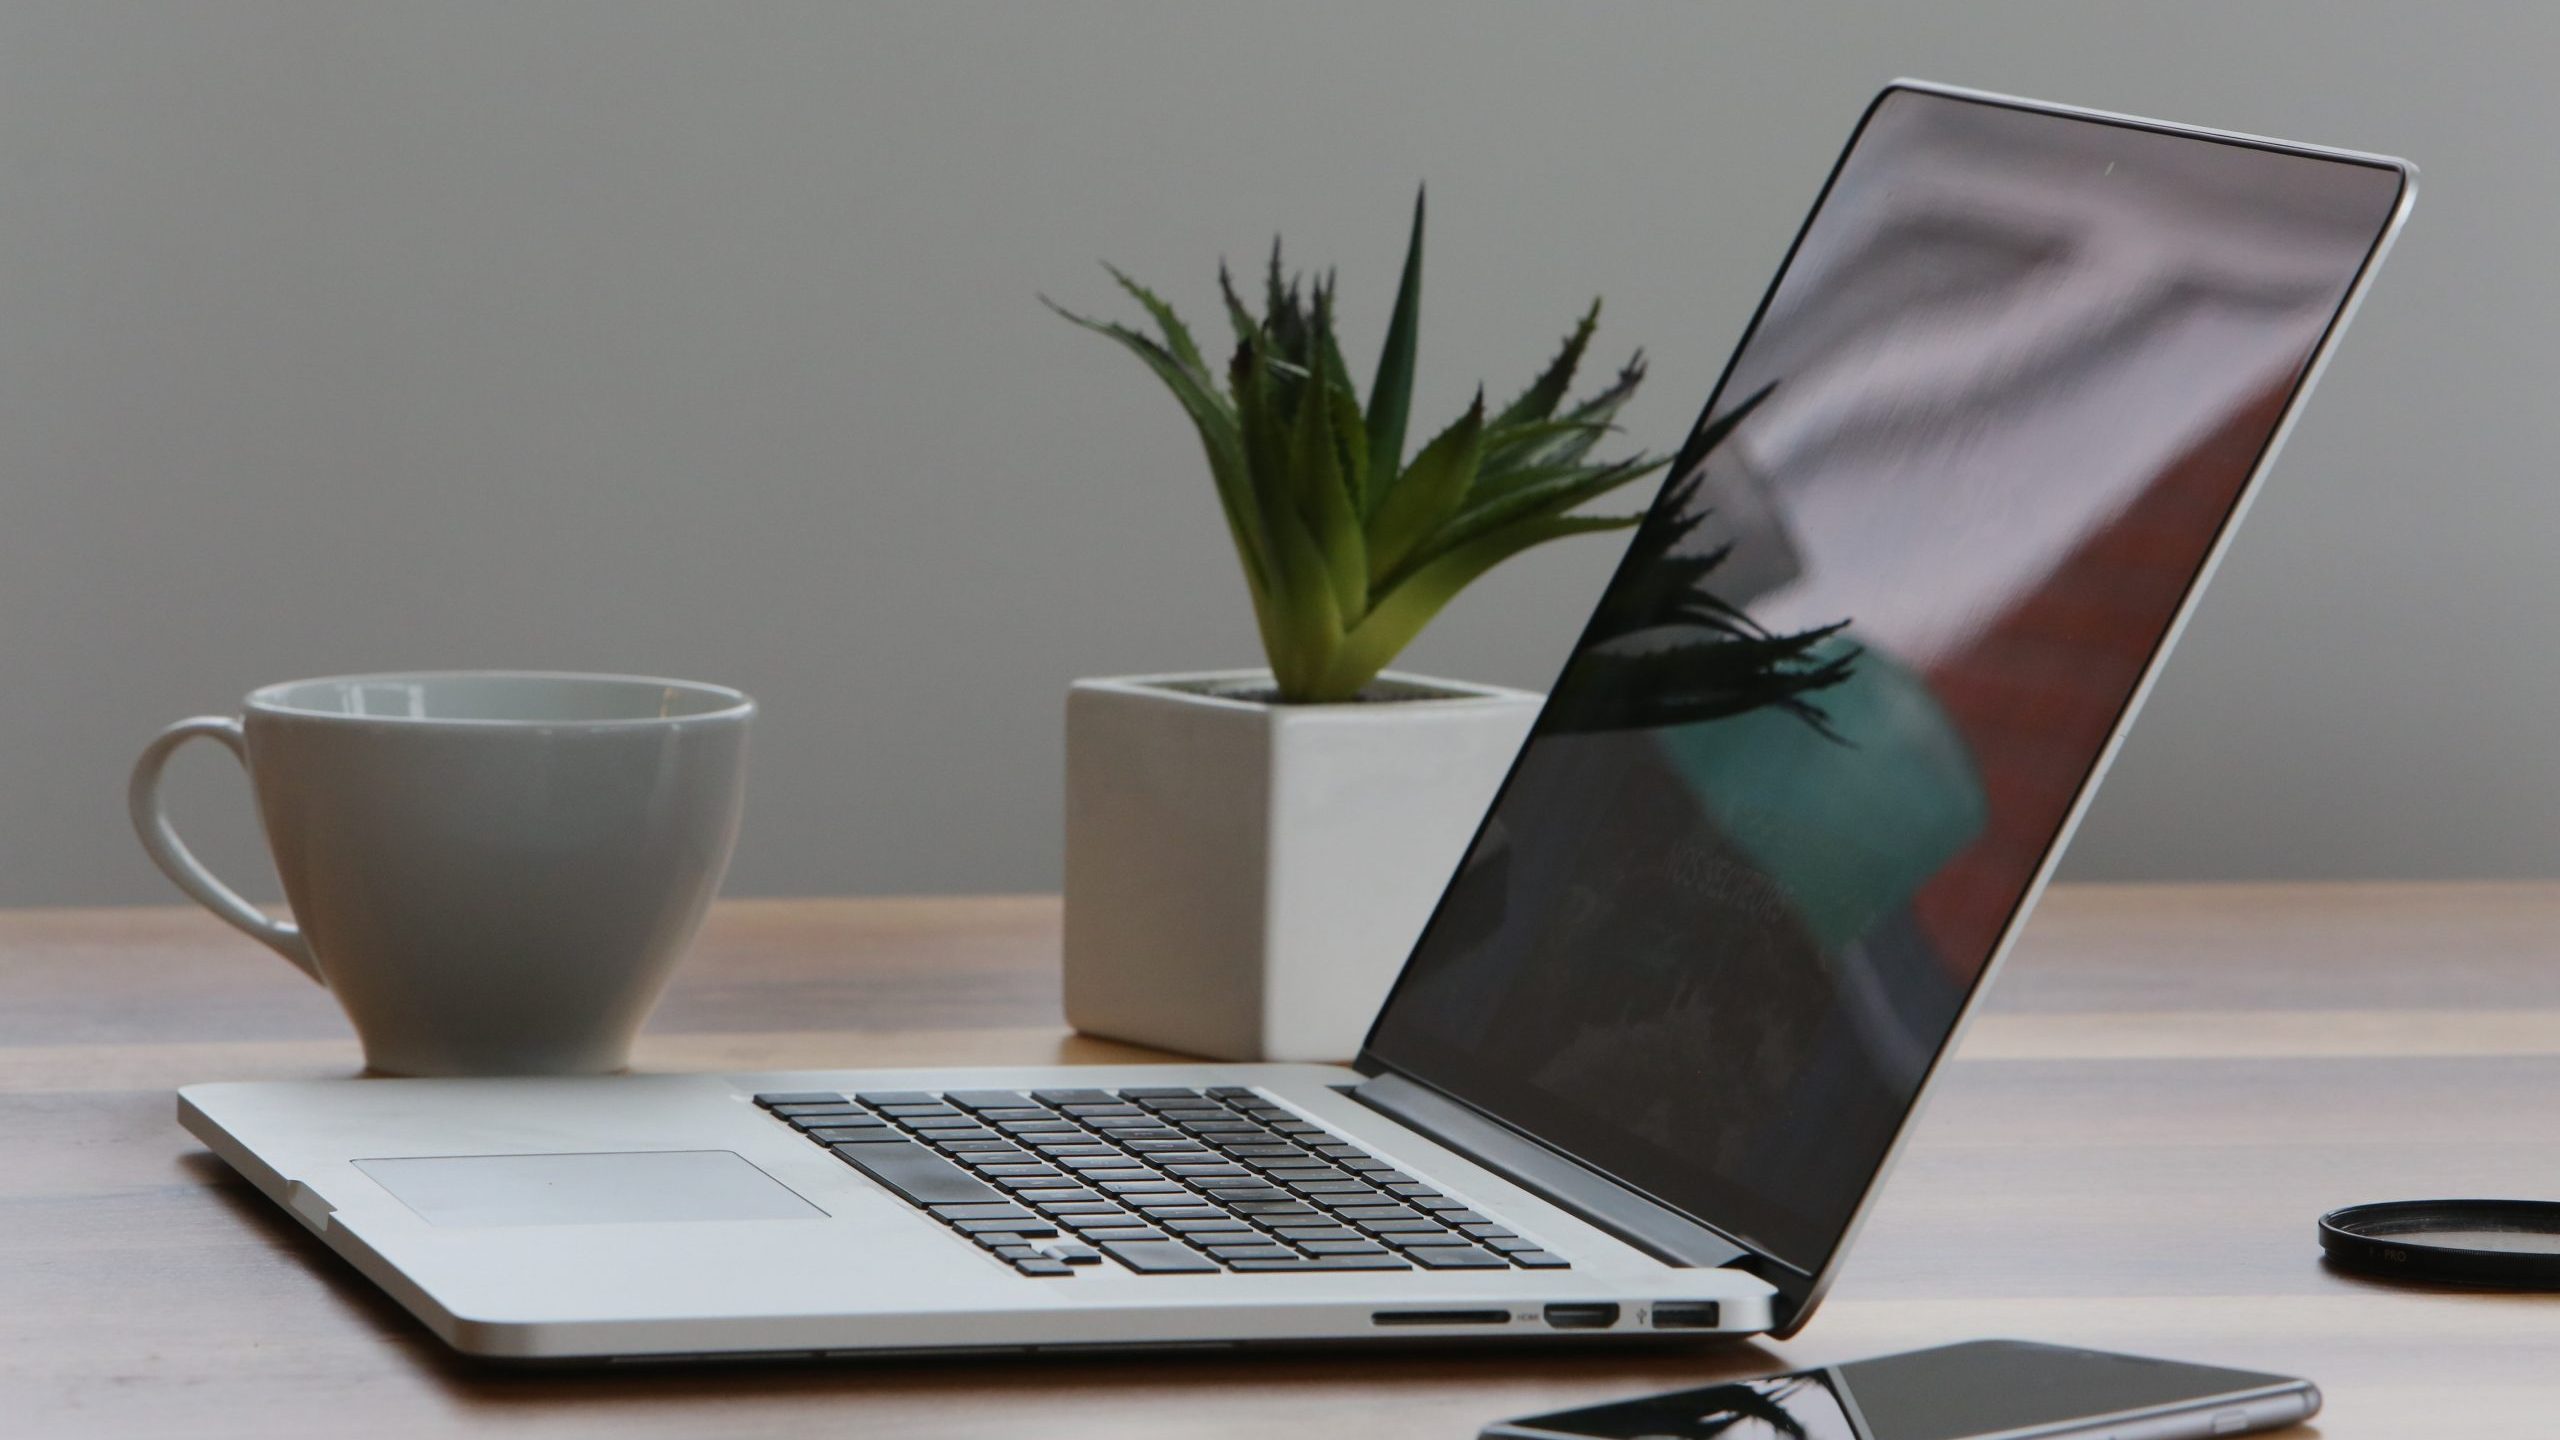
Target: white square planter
1244 880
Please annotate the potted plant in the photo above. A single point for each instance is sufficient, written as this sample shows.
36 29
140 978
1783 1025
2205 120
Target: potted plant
1251 853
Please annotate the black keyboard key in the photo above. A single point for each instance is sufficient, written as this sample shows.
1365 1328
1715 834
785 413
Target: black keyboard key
1167 1210
1159 1092
1073 1097
1324 1262
1075 1255
1140 1187
1270 1213
1043 1265
1417 1225
1082 1223
923 1177
1488 1232
1412 1191
987 1099
1256 1149
1416 1239
1028 1171
1343 1247
1109 1235
896 1097
1094 1206
832 1107
1299 1177
1205 1226
1090 1113
1305 1233
1017 1252
1374 1212
840 1136
1439 1205
1456 1257
773 1098
1540 1260
1232 1092
982 1212
1512 1246
1159 1257
1264 1251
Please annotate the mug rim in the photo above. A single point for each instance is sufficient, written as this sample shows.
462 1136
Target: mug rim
732 704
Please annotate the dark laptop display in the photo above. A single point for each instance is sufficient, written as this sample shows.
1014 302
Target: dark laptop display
1867 649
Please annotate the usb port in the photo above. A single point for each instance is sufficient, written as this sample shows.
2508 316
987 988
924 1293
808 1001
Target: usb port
1595 1315
1685 1314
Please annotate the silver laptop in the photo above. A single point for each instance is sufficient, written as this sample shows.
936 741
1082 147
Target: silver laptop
1792 794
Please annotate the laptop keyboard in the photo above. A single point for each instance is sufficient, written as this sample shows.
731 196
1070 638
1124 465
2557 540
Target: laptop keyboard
1154 1179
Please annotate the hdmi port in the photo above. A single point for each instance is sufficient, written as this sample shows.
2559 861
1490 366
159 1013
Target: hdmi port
1592 1315
1440 1317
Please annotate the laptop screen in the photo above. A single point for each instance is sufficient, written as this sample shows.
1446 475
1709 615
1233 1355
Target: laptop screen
1869 644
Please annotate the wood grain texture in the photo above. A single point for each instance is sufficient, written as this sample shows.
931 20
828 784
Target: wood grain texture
2130 1153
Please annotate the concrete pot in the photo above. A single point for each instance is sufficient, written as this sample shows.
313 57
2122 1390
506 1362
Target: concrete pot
1243 879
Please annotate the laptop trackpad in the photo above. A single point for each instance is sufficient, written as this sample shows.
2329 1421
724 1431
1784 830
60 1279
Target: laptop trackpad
632 1187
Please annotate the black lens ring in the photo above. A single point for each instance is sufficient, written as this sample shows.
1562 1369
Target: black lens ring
2375 1240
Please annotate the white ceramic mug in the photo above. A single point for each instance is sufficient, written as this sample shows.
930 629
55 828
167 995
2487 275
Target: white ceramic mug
493 871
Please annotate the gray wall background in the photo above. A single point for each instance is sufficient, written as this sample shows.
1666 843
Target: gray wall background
701 339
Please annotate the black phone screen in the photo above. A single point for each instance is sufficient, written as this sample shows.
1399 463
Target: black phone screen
1985 1387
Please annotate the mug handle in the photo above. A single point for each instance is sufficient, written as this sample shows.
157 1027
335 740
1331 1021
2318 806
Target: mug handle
160 840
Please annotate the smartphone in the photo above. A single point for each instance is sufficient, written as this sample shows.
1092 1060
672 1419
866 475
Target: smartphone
1981 1390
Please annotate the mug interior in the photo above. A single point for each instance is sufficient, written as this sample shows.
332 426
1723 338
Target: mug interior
500 697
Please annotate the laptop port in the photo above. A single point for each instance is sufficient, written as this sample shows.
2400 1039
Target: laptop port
1596 1315
1440 1317
1686 1314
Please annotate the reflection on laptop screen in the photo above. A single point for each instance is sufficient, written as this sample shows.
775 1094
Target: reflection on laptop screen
1839 700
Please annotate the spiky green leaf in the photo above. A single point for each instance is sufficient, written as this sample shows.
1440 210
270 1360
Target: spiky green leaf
1400 614
1317 485
1427 494
1221 438
1177 336
1578 429
1560 490
1539 401
1391 389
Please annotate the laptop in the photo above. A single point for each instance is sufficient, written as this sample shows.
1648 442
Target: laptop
1791 796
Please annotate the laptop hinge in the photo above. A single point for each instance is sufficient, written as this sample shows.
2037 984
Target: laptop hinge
1663 1233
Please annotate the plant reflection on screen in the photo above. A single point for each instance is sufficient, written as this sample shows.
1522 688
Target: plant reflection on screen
1663 649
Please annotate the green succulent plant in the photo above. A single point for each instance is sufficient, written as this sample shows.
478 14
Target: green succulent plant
1349 547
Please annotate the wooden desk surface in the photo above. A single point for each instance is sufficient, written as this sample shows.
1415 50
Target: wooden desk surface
2173 1084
